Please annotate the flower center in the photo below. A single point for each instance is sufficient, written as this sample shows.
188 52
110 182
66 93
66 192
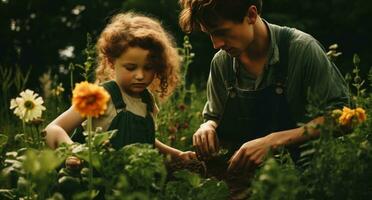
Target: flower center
29 105
91 99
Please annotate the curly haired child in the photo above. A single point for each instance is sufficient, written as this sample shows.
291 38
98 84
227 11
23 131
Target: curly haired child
135 56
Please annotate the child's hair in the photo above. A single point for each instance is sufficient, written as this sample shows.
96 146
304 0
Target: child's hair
130 29
209 12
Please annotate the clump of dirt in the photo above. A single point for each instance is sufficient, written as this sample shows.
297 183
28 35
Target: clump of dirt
217 167
193 165
237 181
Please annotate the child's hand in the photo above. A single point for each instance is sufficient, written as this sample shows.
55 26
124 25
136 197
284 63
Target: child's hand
187 155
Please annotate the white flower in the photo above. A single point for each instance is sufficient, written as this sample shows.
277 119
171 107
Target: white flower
28 106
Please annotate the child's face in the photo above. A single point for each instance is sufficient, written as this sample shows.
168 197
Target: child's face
132 71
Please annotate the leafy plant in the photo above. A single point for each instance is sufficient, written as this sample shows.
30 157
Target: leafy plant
190 186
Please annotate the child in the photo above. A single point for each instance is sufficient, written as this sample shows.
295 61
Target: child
134 52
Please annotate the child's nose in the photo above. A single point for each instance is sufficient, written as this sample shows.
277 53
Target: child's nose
139 74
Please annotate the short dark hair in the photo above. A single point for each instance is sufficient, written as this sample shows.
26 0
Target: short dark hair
209 12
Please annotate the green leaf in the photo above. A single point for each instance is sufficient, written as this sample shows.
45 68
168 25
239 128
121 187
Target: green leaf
7 194
49 160
99 138
192 178
3 141
213 189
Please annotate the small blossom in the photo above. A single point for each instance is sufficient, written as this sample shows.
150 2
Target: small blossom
182 107
28 106
89 99
172 129
185 125
183 138
58 90
46 83
36 122
172 138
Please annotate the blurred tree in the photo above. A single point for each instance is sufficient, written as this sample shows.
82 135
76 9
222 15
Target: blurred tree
48 34
335 21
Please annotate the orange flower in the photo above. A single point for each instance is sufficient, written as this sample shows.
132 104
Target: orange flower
346 116
89 100
361 114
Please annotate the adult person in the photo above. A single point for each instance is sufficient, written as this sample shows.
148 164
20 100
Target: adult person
261 81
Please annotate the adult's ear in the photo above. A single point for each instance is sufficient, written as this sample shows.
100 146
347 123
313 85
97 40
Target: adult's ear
252 14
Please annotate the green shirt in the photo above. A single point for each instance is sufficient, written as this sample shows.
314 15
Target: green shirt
311 77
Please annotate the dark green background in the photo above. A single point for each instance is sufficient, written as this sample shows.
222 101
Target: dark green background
54 27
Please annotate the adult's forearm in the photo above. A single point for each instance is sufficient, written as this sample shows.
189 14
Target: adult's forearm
295 136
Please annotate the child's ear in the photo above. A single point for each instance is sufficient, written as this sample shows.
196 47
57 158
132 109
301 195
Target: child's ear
109 63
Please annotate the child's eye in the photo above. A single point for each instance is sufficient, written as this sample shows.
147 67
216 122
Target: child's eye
130 67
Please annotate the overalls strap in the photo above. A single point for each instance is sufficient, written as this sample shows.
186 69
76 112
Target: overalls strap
282 65
113 89
148 99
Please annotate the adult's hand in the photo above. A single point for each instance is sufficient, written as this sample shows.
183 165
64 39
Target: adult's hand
250 154
205 140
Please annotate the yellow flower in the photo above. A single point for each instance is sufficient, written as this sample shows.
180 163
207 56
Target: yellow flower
361 114
28 106
346 116
89 100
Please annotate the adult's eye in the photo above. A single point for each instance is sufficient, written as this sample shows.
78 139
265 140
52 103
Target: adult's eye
220 33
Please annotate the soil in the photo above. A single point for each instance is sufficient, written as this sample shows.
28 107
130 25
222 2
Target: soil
194 166
238 182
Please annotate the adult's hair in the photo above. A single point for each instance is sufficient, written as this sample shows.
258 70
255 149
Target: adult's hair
130 29
209 12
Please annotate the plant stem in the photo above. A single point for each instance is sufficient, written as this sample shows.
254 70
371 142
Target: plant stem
38 137
29 189
89 129
71 77
24 131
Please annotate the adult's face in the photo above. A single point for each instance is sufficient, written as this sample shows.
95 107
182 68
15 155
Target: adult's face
233 37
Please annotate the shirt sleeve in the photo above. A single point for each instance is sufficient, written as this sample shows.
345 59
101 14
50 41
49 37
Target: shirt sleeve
324 85
216 90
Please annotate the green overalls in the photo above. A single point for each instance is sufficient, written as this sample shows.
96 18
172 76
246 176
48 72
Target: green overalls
253 114
131 128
